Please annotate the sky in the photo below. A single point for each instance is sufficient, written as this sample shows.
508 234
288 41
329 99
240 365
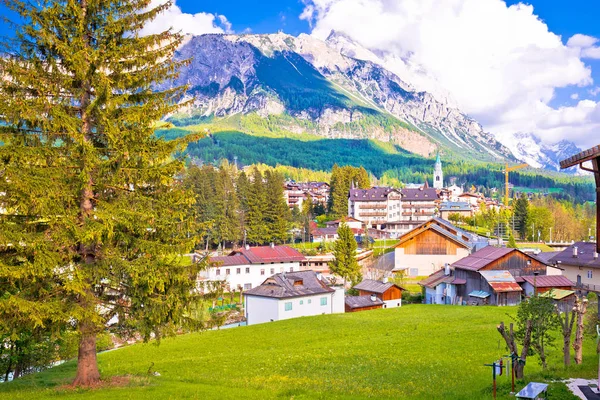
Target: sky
529 67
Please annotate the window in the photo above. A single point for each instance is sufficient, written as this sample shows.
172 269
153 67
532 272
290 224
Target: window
238 271
247 270
247 286
589 274
309 301
288 306
301 302
262 271
291 269
272 271
218 272
227 271
323 301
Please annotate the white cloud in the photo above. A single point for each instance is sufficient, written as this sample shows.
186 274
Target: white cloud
574 96
195 24
500 63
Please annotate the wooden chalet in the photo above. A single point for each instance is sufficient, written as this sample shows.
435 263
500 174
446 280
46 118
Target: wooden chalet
489 275
389 293
593 156
543 283
432 245
362 303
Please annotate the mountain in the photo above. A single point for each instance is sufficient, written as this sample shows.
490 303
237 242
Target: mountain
531 150
304 85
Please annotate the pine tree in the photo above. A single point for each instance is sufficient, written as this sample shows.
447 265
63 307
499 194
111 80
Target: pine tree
521 213
255 226
227 226
276 214
344 263
94 219
243 193
512 244
201 181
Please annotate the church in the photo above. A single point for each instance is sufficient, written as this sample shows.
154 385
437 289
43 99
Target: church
438 174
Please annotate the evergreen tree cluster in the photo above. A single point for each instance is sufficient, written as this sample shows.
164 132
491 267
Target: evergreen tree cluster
232 207
342 179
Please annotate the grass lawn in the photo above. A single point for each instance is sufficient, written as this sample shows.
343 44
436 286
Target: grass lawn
413 352
543 247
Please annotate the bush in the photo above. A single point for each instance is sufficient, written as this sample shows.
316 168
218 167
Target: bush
412 298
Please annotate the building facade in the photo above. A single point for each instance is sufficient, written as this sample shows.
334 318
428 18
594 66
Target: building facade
292 295
375 206
438 174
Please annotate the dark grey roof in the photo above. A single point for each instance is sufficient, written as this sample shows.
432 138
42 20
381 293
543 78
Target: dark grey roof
370 285
362 301
455 206
424 194
373 194
290 284
546 256
585 256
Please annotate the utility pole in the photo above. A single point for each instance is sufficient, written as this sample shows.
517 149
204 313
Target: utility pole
550 235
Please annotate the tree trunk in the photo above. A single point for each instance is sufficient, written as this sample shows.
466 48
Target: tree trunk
581 308
87 365
10 360
567 350
509 338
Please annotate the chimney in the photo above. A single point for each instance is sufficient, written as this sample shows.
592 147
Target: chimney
272 245
447 269
574 251
373 298
247 247
595 255
384 279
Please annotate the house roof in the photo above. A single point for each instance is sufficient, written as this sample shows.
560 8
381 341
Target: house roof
497 276
421 194
582 157
373 194
546 256
455 206
543 281
259 255
290 284
558 294
373 286
438 277
448 230
585 256
344 219
482 258
362 301
500 287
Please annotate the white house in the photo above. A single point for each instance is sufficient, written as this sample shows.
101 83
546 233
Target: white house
375 206
290 295
250 266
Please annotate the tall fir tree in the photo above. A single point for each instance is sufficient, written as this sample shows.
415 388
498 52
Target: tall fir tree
201 181
255 225
227 227
243 193
344 263
94 219
277 213
521 212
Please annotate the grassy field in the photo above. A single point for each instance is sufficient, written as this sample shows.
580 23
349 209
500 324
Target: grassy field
413 352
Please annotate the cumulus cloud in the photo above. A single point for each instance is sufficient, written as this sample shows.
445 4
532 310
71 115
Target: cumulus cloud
500 63
194 24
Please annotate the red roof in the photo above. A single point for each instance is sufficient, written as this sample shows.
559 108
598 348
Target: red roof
268 254
548 281
505 286
259 255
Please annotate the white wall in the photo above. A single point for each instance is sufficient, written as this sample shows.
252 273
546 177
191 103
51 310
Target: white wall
254 277
426 264
571 272
339 301
261 309
311 305
264 309
392 303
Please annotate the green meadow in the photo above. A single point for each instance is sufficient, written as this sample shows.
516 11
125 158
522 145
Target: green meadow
413 352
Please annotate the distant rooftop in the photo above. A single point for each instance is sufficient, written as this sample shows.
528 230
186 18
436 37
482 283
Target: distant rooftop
290 284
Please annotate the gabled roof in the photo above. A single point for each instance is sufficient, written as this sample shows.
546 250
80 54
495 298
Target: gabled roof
585 256
448 230
290 284
482 258
582 157
373 286
259 255
439 277
422 194
373 194
455 206
362 301
543 281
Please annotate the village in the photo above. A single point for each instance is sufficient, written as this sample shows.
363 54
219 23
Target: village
451 265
